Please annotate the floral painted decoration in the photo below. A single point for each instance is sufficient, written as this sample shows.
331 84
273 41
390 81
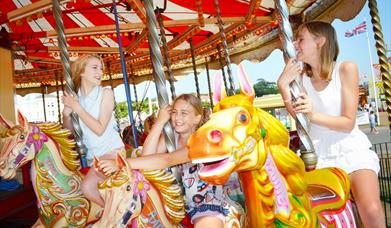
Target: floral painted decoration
37 138
141 186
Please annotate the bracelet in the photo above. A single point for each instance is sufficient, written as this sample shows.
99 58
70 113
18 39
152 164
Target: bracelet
286 101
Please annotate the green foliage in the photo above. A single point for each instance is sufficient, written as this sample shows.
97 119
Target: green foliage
263 87
122 108
206 104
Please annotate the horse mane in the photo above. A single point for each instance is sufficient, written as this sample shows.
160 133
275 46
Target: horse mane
171 193
56 132
276 140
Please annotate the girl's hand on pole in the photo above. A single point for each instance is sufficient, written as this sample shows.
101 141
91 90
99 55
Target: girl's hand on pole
291 71
164 114
71 101
303 105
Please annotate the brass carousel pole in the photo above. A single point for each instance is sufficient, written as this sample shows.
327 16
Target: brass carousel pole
194 68
160 79
231 90
58 98
138 105
382 53
43 88
209 86
166 54
62 43
302 122
116 114
222 68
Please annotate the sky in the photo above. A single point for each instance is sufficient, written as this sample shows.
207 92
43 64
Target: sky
353 48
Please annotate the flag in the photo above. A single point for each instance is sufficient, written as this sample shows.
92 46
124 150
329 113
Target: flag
361 28
349 34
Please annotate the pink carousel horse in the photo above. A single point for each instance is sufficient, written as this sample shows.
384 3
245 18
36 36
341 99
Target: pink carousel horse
278 191
56 181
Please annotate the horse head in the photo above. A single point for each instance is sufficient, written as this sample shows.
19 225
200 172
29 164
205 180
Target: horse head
124 193
17 143
236 136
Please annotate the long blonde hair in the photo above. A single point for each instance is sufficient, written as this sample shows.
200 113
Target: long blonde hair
195 102
79 66
329 51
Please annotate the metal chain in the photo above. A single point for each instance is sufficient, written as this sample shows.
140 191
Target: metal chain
194 68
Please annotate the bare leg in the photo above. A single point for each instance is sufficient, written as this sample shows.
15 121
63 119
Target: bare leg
365 188
208 222
89 187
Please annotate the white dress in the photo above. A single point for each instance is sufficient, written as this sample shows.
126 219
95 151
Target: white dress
349 151
110 140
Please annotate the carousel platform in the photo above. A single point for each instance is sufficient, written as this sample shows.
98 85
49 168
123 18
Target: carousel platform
17 208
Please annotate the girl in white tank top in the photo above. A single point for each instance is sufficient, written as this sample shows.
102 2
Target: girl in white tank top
94 105
331 101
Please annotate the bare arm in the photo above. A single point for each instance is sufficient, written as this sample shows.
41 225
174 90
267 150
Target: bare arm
154 143
67 121
98 126
153 161
348 72
291 70
161 160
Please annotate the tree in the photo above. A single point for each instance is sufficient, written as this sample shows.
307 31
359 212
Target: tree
122 107
263 87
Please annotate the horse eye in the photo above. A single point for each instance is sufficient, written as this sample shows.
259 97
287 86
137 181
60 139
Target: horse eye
243 118
21 137
128 188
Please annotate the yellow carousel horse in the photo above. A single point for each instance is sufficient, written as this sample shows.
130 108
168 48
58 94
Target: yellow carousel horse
56 181
278 191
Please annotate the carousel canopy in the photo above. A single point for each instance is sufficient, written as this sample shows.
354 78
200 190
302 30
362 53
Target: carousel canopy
28 29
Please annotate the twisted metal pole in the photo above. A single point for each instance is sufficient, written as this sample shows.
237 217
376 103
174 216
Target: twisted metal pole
62 43
194 68
220 23
157 64
209 86
382 53
166 54
286 36
125 76
222 68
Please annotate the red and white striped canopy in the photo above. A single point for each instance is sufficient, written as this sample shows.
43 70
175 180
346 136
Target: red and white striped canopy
250 26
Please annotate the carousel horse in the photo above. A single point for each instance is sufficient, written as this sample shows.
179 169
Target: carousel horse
278 191
150 196
57 181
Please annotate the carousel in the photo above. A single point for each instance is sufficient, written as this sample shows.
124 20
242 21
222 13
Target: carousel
146 40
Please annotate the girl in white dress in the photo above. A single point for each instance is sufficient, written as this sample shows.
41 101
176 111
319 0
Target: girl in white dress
94 106
331 101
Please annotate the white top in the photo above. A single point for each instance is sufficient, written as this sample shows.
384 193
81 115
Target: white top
346 150
110 139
